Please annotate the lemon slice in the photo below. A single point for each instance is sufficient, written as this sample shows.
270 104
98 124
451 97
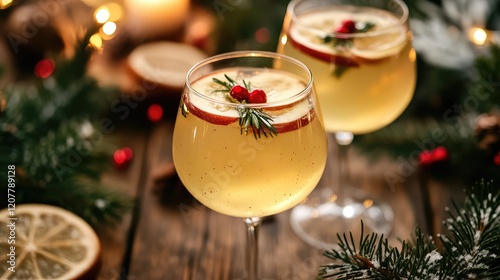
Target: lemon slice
50 243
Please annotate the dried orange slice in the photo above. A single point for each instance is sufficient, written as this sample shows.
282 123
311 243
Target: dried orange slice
46 242
164 64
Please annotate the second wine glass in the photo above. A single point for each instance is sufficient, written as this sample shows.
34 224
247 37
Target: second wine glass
363 64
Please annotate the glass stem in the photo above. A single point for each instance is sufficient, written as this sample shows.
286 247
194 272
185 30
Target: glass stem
252 252
343 140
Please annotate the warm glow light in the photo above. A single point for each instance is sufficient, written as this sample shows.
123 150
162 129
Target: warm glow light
96 41
348 211
102 14
155 17
109 28
478 36
115 11
368 203
5 3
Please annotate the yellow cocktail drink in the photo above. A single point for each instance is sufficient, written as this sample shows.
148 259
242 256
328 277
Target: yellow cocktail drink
240 173
364 80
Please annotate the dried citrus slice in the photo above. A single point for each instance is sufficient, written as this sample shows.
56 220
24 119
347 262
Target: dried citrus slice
164 63
46 242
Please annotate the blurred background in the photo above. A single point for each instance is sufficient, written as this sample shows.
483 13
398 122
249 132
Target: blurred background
70 70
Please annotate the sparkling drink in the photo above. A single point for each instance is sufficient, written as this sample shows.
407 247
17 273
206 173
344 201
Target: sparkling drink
364 80
241 174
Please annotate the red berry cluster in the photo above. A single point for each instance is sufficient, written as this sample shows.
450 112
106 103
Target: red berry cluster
347 26
241 94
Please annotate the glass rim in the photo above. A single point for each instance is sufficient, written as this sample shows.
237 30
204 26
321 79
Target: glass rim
401 22
252 53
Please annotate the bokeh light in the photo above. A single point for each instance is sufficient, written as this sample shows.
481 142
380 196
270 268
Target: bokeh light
262 35
44 68
109 28
122 157
478 36
96 41
155 113
5 3
102 14
115 11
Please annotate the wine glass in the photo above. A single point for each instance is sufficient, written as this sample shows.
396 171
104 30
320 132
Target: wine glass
363 64
249 139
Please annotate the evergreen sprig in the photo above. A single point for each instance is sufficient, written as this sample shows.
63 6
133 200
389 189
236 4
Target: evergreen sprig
469 250
256 120
48 130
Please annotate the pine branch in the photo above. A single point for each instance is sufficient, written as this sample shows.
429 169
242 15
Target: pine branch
470 250
408 137
474 234
48 131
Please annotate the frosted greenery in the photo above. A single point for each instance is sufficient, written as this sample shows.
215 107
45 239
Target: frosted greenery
468 250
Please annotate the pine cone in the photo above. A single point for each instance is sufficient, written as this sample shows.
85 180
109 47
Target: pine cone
487 131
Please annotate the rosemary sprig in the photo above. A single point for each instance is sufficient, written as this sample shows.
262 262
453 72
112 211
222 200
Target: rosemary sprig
253 119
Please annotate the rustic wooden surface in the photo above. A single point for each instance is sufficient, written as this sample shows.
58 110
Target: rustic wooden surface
168 235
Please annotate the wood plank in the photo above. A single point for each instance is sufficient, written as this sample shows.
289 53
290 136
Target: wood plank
177 238
114 241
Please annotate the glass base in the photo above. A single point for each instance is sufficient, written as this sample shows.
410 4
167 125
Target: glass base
323 215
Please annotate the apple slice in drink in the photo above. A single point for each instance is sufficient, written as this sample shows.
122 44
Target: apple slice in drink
374 49
314 37
286 117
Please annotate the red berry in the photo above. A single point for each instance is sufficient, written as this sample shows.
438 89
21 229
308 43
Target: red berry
239 93
347 26
257 96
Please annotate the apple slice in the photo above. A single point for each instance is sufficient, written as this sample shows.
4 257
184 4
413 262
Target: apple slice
371 49
277 85
320 51
298 116
205 111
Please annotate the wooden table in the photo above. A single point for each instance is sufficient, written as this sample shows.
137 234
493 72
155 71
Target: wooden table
168 235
